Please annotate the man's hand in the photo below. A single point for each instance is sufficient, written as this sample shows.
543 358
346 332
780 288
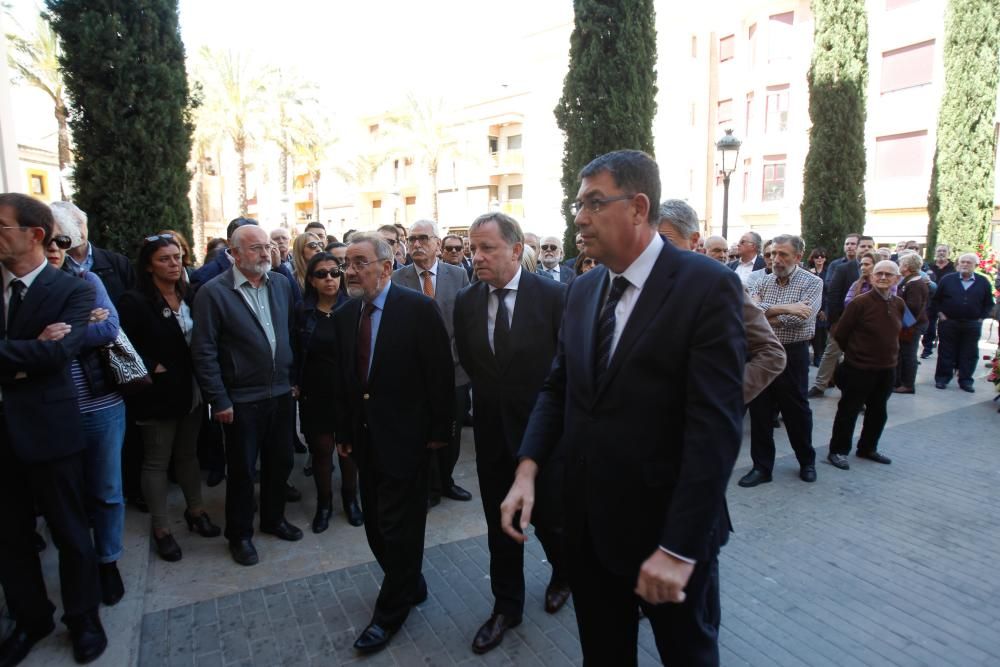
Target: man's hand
55 331
159 369
942 317
662 578
99 314
223 416
520 497
821 316
295 392
801 309
344 448
436 444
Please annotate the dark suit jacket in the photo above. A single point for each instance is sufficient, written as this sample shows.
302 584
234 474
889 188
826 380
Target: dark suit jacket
159 341
650 449
839 279
39 399
758 264
114 270
410 397
565 275
504 390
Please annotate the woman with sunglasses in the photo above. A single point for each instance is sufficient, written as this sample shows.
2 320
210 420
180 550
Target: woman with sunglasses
317 358
583 264
157 316
816 265
102 411
304 247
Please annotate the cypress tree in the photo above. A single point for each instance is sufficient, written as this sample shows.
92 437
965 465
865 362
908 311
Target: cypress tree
960 200
123 63
609 93
833 200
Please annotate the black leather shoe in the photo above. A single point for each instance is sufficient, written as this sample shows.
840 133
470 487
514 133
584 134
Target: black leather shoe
754 477
112 586
20 642
374 638
167 548
243 552
352 510
215 478
926 354
556 594
815 392
941 385
292 495
284 531
432 502
321 521
874 456
490 634
838 461
455 492
969 388
87 635
201 524
807 473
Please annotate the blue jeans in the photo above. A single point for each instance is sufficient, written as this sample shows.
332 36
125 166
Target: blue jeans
104 432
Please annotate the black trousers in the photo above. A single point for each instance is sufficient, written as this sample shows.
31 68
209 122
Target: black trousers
958 347
687 634
441 462
860 388
788 394
819 344
258 427
395 518
906 367
57 486
506 555
930 335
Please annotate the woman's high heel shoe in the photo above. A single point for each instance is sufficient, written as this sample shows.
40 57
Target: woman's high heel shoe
201 524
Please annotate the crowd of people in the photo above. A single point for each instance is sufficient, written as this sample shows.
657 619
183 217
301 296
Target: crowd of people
377 349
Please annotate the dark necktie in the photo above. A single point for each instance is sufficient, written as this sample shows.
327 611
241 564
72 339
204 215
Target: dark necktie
16 296
501 326
365 343
606 324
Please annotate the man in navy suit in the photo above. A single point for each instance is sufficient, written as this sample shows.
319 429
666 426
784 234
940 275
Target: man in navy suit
645 397
750 259
41 441
548 261
393 402
506 330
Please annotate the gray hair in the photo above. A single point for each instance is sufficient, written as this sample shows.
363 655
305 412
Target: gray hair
972 255
434 227
755 237
681 217
796 242
383 251
510 231
70 219
911 261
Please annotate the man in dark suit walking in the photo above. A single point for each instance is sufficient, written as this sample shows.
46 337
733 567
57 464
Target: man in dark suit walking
440 281
506 330
393 402
41 442
645 393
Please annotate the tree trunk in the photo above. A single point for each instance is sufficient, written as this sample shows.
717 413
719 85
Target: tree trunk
65 157
283 169
433 171
315 191
240 144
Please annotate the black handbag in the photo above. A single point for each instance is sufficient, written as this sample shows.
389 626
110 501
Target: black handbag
124 365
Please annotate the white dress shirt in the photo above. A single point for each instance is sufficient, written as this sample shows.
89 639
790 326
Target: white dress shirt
744 269
492 305
637 273
26 279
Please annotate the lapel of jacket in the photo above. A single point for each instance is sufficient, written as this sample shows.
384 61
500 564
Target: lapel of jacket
587 324
654 292
522 301
33 298
408 278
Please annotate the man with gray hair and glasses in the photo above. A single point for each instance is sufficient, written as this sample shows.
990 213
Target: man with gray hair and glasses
750 259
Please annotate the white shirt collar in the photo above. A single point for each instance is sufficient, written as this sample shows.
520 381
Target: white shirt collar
638 271
750 262
433 270
27 278
512 285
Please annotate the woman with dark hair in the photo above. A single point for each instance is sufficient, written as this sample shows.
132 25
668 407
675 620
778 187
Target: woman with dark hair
157 316
583 264
863 284
318 367
816 265
187 259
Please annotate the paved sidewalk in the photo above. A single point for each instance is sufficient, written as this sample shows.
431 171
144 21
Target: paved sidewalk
879 565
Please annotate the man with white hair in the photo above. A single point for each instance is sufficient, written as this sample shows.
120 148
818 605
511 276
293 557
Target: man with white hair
114 269
717 248
242 318
962 301
551 255
750 259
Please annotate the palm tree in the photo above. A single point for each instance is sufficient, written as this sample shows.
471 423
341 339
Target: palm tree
293 103
35 59
235 102
311 140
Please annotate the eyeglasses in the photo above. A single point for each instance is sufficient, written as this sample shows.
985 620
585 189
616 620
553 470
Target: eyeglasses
62 242
885 274
579 241
594 204
550 247
261 248
323 274
358 264
314 245
159 237
391 241
422 238
453 248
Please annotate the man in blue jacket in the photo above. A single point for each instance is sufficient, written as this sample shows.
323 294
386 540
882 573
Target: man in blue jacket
963 300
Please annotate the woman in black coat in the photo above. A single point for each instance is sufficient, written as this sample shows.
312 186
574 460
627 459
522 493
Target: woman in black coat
157 316
318 359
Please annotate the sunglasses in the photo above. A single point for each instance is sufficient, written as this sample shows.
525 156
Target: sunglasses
550 248
323 274
314 245
159 237
453 248
62 242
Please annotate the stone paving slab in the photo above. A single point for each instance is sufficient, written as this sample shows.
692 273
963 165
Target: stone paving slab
879 565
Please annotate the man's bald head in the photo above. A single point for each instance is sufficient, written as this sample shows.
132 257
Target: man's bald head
717 248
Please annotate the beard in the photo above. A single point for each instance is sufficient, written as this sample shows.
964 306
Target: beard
355 291
258 268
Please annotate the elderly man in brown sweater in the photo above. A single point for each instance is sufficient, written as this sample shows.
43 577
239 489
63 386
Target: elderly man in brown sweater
868 333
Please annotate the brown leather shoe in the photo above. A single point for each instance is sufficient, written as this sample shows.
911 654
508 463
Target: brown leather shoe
491 633
556 595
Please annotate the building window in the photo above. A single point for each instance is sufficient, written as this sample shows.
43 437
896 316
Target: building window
774 178
752 39
494 145
725 111
694 46
776 112
376 203
411 201
901 156
727 48
746 179
907 67
37 182
779 36
514 142
515 192
749 112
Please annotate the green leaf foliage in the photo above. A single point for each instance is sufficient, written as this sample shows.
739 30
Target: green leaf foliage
123 65
833 200
609 93
960 201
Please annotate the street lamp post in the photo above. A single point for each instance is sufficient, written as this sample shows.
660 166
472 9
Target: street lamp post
729 148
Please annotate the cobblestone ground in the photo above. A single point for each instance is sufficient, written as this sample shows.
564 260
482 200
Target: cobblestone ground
879 565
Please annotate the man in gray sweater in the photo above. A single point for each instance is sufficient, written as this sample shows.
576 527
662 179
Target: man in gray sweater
242 352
